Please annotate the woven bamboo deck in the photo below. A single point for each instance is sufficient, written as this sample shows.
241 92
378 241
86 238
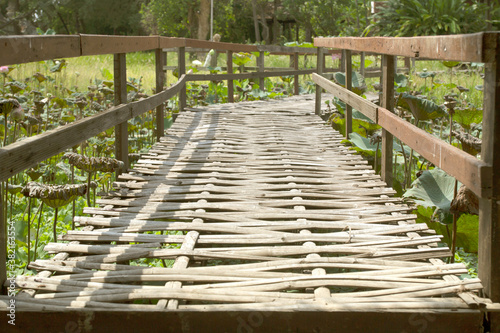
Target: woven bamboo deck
254 206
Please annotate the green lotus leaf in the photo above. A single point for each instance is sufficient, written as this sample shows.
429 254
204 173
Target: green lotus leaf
434 188
468 116
422 109
451 64
425 75
401 80
362 142
358 81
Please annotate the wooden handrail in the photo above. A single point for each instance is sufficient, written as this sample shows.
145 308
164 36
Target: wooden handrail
24 154
474 173
477 47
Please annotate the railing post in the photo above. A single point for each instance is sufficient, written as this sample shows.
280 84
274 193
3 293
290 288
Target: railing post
296 77
489 208
348 85
160 79
121 130
319 70
260 65
362 63
3 247
387 103
230 85
182 70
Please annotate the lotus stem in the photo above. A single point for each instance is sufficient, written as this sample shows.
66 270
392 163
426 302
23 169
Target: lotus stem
89 179
408 176
5 130
38 230
29 231
454 233
55 223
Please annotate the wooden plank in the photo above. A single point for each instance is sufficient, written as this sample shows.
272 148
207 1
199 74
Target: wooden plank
388 68
473 173
99 44
171 42
160 81
23 49
359 103
489 208
469 47
245 321
121 130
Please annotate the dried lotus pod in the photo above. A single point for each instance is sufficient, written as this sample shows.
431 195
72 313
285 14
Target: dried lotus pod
93 164
55 196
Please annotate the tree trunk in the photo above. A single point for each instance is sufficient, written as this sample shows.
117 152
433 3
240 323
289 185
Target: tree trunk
256 21
276 27
308 35
265 29
204 19
12 12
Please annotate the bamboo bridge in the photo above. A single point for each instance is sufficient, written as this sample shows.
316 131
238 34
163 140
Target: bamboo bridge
260 219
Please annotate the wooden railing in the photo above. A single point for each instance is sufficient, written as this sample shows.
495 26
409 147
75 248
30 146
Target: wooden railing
481 176
21 155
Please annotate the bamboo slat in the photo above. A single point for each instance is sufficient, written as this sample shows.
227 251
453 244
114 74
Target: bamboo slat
255 206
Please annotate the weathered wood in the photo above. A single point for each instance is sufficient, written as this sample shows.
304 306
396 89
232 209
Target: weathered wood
348 85
98 44
473 173
181 62
472 47
230 84
296 77
160 80
23 49
388 68
121 130
260 65
245 321
356 101
3 246
489 207
319 71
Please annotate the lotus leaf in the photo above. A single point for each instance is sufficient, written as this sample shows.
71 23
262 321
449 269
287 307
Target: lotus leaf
422 109
358 82
434 188
468 115
451 64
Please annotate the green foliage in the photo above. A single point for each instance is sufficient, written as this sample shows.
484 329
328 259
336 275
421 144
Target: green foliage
429 17
422 109
434 188
358 81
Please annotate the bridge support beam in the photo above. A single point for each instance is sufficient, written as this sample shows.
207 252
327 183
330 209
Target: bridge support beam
489 216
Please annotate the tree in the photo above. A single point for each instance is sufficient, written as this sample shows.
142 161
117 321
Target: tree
429 17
